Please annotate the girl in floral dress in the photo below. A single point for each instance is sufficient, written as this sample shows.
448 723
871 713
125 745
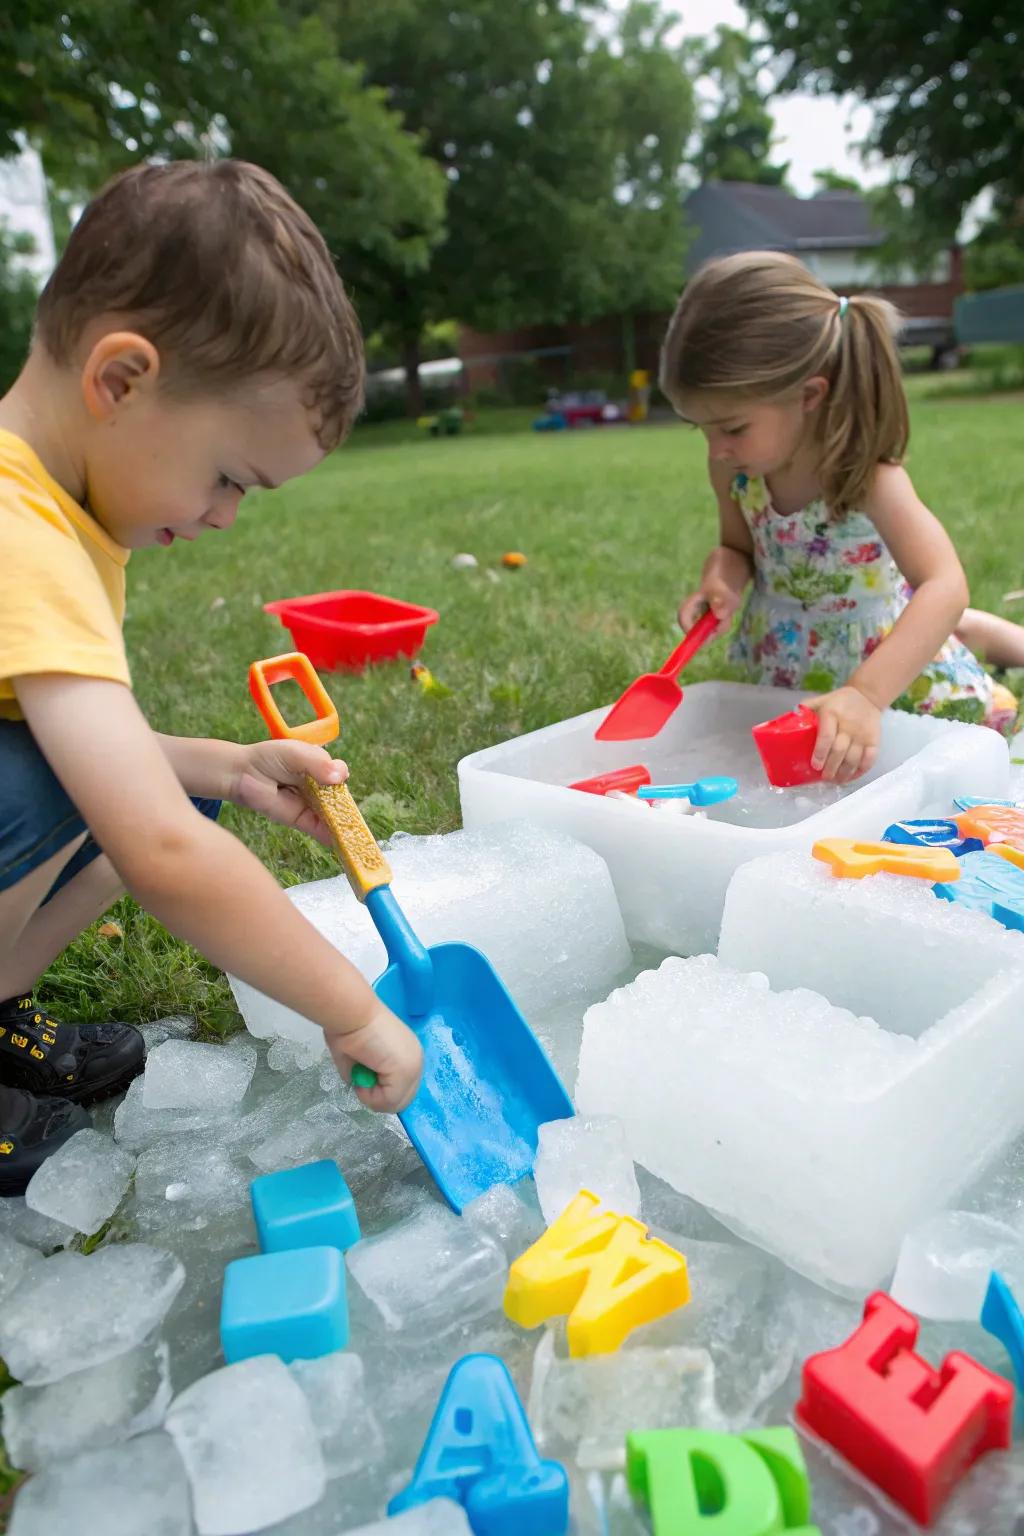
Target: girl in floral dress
857 589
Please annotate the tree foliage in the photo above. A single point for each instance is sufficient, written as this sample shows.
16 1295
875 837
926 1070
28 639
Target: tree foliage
943 80
737 129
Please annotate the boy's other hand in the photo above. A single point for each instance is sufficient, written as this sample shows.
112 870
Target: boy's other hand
268 779
391 1049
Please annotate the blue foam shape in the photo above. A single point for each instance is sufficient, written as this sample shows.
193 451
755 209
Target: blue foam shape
987 883
291 1304
968 802
1001 1317
480 1452
932 834
306 1207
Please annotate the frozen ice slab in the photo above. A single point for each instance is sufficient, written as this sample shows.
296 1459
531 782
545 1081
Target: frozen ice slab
183 1074
177 1026
82 1183
671 873
945 1264
121 1491
15 1259
586 1152
250 1447
335 1389
100 1406
586 1408
509 1214
438 1517
136 1127
81 1311
821 1126
540 906
433 1271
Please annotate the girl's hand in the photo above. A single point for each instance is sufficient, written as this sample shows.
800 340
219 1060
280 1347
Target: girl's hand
267 777
848 734
726 574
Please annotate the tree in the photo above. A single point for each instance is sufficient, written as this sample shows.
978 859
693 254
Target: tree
561 149
737 130
943 81
17 304
100 84
835 181
995 257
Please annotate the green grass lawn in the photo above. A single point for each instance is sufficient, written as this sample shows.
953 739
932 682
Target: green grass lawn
614 522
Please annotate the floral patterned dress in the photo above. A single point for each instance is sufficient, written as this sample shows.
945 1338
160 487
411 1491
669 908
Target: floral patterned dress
826 593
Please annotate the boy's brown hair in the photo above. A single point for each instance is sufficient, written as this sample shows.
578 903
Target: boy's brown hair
224 273
758 324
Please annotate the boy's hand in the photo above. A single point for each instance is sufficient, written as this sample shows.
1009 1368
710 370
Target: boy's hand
726 574
848 734
391 1049
268 777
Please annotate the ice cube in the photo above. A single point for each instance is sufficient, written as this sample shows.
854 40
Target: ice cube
335 1389
438 1517
81 1311
431 1271
28 1227
204 1248
295 1055
540 906
178 1026
194 1182
586 1408
82 1183
247 1438
508 1214
99 1406
586 1152
121 1491
182 1074
15 1260
821 1134
945 1264
136 1127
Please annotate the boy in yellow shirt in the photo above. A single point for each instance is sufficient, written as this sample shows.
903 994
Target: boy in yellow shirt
195 340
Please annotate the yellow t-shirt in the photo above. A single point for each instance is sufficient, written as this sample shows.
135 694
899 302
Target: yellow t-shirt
61 581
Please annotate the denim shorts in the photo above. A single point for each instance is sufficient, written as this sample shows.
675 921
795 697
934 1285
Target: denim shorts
37 819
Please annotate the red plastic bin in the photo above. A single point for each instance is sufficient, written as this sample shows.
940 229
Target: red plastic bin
347 631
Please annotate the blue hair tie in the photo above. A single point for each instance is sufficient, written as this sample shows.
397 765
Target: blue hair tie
844 305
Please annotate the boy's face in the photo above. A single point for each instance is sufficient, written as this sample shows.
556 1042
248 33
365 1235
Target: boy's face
159 467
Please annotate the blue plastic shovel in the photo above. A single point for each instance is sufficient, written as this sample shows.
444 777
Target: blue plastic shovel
487 1082
702 792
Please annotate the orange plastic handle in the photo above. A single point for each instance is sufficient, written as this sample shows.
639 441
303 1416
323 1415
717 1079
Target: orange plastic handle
298 667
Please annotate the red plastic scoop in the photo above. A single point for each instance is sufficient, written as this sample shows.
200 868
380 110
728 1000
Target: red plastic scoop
786 745
647 704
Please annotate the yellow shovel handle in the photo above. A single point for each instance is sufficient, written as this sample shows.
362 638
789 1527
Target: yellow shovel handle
354 843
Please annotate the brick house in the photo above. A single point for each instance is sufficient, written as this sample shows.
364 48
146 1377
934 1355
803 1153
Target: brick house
831 232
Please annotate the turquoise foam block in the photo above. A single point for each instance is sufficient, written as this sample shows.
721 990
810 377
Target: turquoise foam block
306 1207
292 1304
987 884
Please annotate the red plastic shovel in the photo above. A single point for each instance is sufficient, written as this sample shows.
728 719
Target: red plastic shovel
647 704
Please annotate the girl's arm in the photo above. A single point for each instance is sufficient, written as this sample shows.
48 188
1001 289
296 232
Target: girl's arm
730 565
850 727
925 555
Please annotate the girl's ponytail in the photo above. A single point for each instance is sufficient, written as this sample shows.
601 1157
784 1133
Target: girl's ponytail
864 420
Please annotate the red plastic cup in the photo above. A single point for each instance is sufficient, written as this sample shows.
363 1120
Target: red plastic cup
786 745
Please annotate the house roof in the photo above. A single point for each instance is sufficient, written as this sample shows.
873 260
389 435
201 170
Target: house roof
743 216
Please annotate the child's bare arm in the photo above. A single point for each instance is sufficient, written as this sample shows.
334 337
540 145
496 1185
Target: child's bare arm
850 729
729 566
201 882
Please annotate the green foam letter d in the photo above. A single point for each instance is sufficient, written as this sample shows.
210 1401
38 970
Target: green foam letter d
699 1482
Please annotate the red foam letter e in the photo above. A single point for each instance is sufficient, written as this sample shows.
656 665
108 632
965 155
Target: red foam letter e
912 1430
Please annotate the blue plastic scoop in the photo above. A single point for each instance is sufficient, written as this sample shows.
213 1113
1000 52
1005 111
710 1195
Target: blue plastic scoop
487 1082
710 791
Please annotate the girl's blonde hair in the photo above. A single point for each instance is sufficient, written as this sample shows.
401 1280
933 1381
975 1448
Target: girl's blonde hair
758 325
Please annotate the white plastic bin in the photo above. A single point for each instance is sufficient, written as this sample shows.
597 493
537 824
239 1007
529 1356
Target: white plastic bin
671 872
